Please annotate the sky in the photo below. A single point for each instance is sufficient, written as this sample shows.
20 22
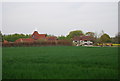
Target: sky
59 18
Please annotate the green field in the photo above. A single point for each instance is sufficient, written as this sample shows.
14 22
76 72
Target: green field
60 62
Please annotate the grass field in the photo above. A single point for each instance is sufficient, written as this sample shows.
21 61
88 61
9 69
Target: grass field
60 62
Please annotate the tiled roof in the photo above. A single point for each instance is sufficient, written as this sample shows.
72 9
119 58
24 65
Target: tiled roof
5 41
36 35
25 40
51 38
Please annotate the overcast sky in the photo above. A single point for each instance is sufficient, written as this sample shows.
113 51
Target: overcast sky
59 18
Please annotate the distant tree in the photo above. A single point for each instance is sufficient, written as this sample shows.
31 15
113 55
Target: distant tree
63 37
101 33
75 33
116 39
113 40
13 37
105 38
27 35
96 38
0 36
92 34
48 35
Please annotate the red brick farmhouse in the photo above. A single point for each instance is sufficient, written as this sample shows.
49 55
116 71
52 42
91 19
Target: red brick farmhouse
36 36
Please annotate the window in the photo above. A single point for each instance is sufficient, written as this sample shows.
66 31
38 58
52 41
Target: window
85 43
75 41
90 43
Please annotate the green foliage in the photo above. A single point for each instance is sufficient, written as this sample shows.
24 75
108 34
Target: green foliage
0 36
63 38
61 62
13 37
105 38
75 33
114 40
117 38
49 35
92 34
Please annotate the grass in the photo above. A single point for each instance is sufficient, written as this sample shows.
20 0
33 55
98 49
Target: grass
60 62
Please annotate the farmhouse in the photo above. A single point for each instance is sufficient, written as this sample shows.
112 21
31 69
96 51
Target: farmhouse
36 36
83 40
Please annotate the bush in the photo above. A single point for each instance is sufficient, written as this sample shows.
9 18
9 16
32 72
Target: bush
38 43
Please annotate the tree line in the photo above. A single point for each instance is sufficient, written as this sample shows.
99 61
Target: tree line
13 37
103 38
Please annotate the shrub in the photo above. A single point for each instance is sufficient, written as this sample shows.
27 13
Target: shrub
39 43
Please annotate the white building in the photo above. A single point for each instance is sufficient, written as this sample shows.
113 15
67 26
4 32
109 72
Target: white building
83 40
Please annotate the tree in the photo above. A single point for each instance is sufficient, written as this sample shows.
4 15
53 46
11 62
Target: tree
13 37
116 39
0 36
92 34
75 33
49 35
96 38
100 34
105 38
63 37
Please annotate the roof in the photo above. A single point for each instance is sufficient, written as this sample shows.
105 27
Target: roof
51 38
36 35
25 40
77 38
5 41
